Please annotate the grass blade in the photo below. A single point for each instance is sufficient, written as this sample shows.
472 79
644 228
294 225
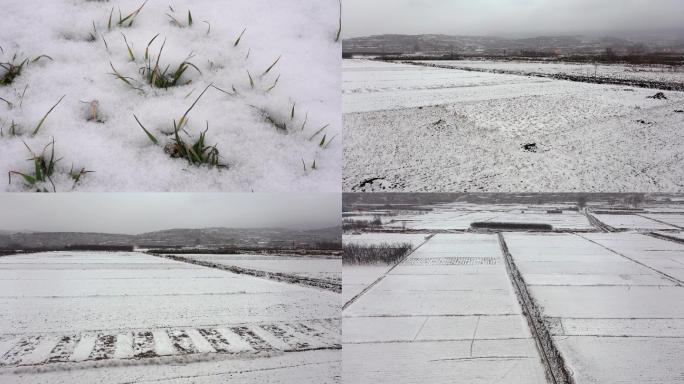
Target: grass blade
149 135
271 67
184 119
239 38
251 81
319 131
130 52
40 123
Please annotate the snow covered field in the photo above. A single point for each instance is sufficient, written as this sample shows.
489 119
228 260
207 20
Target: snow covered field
302 266
447 314
451 312
664 73
635 222
413 128
269 138
610 301
357 277
460 218
129 317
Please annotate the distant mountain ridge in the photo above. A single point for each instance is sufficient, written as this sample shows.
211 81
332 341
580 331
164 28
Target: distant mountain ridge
439 44
206 237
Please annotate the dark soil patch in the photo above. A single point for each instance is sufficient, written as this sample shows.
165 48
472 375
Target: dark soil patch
658 96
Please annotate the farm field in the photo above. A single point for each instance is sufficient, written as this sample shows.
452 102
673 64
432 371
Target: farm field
356 278
130 317
460 308
663 73
447 313
418 129
325 268
615 317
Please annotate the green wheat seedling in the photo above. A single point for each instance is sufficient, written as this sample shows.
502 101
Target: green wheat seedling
43 167
178 23
313 166
76 175
324 143
15 130
269 89
339 28
13 69
124 22
128 47
42 120
271 67
157 77
197 153
129 81
318 132
20 99
239 38
153 74
92 36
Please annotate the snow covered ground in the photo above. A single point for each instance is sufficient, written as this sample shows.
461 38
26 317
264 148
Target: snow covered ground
303 266
269 140
447 314
357 277
130 317
610 302
461 219
664 73
413 128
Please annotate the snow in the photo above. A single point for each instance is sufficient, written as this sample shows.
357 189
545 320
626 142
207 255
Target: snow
306 367
448 313
674 219
98 308
633 222
442 322
420 129
664 73
118 151
311 267
357 277
664 256
607 331
460 216
489 361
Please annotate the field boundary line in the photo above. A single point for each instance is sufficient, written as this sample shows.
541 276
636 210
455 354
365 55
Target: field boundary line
368 288
554 365
659 221
646 84
673 279
275 276
662 236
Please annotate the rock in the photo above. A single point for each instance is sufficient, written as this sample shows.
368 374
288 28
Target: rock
530 147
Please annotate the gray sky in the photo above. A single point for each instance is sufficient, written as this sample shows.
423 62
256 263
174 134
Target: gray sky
137 213
507 17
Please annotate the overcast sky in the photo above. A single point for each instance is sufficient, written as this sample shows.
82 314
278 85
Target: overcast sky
137 213
507 17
